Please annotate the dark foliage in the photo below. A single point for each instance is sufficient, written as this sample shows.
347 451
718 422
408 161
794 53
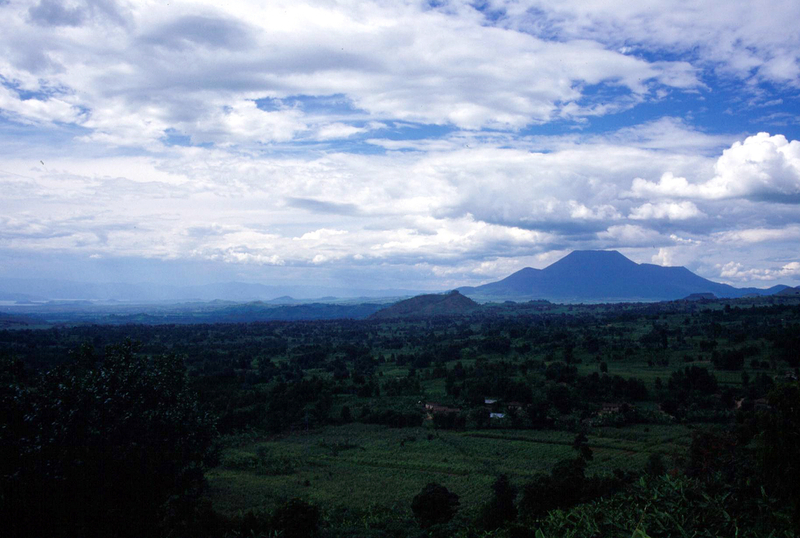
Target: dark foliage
296 519
109 449
434 505
500 509
779 445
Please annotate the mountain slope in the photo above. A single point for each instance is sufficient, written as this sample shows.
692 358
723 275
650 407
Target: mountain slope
599 275
789 292
451 303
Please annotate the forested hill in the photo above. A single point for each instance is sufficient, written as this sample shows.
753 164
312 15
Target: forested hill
789 292
605 276
452 303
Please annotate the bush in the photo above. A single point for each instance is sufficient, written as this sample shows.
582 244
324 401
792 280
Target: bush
434 505
296 519
500 509
665 507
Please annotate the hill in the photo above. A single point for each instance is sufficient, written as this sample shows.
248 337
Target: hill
700 297
448 304
789 292
605 276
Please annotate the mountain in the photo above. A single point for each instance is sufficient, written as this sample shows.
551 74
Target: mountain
19 297
700 297
789 292
286 299
605 276
447 304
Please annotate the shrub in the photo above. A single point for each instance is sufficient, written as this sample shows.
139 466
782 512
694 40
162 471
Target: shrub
434 505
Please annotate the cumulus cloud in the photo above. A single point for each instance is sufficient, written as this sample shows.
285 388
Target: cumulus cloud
241 122
664 257
199 68
631 235
666 210
761 167
35 111
735 271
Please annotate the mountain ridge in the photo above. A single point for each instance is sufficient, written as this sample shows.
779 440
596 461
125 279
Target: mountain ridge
607 276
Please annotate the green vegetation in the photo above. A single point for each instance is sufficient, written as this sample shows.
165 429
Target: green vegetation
544 420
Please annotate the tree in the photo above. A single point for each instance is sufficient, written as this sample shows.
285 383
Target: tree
581 445
564 487
655 465
106 449
536 497
500 509
296 519
434 505
780 445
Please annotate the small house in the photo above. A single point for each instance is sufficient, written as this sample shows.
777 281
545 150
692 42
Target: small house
608 408
434 408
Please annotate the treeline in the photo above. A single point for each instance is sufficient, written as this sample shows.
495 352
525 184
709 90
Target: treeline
283 376
102 447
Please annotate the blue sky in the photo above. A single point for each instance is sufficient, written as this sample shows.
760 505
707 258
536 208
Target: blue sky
417 145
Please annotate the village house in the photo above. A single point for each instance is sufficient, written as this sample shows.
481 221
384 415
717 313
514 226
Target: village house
609 407
434 408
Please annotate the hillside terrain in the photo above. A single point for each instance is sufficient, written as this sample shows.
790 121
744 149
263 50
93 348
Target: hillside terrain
448 304
789 292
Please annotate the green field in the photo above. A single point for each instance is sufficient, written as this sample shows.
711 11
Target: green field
364 465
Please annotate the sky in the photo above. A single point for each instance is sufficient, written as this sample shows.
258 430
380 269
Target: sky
396 144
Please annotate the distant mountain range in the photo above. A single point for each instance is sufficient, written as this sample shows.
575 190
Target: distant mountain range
587 276
605 276
49 290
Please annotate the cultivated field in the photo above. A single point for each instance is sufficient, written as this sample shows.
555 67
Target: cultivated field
364 465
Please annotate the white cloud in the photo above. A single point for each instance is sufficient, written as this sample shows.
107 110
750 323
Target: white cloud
742 39
241 122
665 257
232 255
759 235
132 73
338 130
761 167
320 235
630 235
458 207
604 212
35 111
672 134
735 271
666 210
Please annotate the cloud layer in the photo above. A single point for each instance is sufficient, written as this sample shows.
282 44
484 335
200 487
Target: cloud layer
402 142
